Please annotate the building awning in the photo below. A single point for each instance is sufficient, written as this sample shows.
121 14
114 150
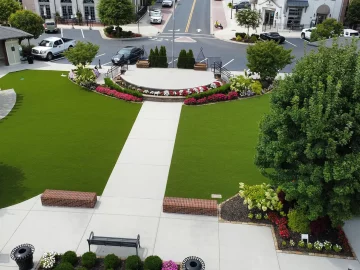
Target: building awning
298 3
323 9
12 33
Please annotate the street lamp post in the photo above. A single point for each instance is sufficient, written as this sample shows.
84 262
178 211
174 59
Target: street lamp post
173 36
232 4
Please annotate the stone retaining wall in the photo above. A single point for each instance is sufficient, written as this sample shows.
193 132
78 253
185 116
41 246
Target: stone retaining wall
190 206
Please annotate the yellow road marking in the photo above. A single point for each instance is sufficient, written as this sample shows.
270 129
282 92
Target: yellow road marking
190 16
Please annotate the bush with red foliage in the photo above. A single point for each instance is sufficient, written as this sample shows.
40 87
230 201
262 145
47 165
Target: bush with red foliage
343 241
320 225
190 101
273 216
280 223
116 94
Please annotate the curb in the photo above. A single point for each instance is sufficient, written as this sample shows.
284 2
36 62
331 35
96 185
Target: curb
121 39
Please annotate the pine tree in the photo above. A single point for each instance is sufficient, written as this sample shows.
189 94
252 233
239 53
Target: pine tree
156 57
163 55
181 63
151 58
190 60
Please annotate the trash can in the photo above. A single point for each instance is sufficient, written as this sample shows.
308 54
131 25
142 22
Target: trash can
30 59
193 263
23 256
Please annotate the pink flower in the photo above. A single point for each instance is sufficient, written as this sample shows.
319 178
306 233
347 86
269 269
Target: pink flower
190 101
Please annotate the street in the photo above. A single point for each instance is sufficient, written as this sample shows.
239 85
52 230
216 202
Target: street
192 31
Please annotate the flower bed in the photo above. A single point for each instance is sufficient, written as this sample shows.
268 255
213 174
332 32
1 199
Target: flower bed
258 204
70 261
244 38
168 92
116 94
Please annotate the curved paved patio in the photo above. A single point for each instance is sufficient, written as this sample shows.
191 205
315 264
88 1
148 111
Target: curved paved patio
7 102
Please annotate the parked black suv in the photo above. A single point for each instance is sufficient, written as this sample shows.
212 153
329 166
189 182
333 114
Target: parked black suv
128 54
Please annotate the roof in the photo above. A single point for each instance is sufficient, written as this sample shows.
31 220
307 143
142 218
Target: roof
10 33
297 3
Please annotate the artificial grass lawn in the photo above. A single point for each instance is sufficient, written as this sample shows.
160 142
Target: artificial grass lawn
58 136
215 149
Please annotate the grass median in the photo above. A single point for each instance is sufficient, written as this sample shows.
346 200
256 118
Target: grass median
215 148
58 136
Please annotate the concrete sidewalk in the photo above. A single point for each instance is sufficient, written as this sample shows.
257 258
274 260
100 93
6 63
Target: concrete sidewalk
231 27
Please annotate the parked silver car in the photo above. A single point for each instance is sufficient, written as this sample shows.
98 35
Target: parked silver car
167 3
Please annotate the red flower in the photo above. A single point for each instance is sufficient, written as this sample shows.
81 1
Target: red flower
232 95
285 234
190 101
281 221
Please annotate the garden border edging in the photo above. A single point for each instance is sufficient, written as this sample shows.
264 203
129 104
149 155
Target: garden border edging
221 220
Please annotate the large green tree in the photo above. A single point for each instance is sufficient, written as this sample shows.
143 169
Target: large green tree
309 143
248 18
27 21
353 13
267 58
8 7
327 29
116 12
82 53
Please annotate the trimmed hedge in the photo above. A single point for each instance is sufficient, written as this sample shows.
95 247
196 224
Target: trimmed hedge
153 263
88 259
70 257
115 86
224 89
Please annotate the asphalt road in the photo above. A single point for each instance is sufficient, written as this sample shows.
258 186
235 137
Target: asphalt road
232 55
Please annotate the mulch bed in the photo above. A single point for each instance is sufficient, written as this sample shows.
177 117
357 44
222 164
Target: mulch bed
243 41
236 210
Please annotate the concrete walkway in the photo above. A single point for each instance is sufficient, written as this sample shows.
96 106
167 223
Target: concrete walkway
7 102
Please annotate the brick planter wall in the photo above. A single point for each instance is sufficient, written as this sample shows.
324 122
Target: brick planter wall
190 206
68 198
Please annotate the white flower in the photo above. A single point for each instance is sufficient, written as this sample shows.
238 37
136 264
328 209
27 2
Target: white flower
146 91
166 93
180 92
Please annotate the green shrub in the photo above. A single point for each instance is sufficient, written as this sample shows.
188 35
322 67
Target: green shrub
70 257
151 58
153 263
163 63
156 57
238 38
262 197
84 76
256 87
111 261
224 89
133 263
301 243
181 62
251 215
253 39
283 243
258 216
64 266
88 259
242 34
109 83
81 268
109 29
309 245
298 221
190 60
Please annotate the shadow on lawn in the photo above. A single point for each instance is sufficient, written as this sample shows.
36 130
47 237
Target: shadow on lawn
11 180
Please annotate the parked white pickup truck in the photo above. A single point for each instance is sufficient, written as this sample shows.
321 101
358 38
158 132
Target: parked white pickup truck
52 46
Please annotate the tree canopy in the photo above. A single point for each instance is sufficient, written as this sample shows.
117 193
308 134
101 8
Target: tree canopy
27 21
82 53
248 18
309 143
116 12
8 7
327 29
267 58
353 13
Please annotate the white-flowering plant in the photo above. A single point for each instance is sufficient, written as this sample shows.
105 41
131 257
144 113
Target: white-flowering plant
262 197
337 248
318 245
292 243
48 260
327 245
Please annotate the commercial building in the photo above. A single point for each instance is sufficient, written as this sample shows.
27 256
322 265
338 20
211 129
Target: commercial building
68 9
296 14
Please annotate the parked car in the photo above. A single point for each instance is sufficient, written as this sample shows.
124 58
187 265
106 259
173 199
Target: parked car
50 26
52 46
242 5
167 3
128 54
154 11
306 33
156 18
351 33
272 36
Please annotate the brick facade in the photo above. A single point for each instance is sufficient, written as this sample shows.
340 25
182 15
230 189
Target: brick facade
68 198
190 206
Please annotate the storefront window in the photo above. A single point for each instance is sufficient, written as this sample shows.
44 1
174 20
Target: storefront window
294 17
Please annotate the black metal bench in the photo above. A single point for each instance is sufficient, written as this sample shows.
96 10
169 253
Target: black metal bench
114 241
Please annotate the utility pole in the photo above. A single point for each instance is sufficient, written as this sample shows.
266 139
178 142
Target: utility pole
173 35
